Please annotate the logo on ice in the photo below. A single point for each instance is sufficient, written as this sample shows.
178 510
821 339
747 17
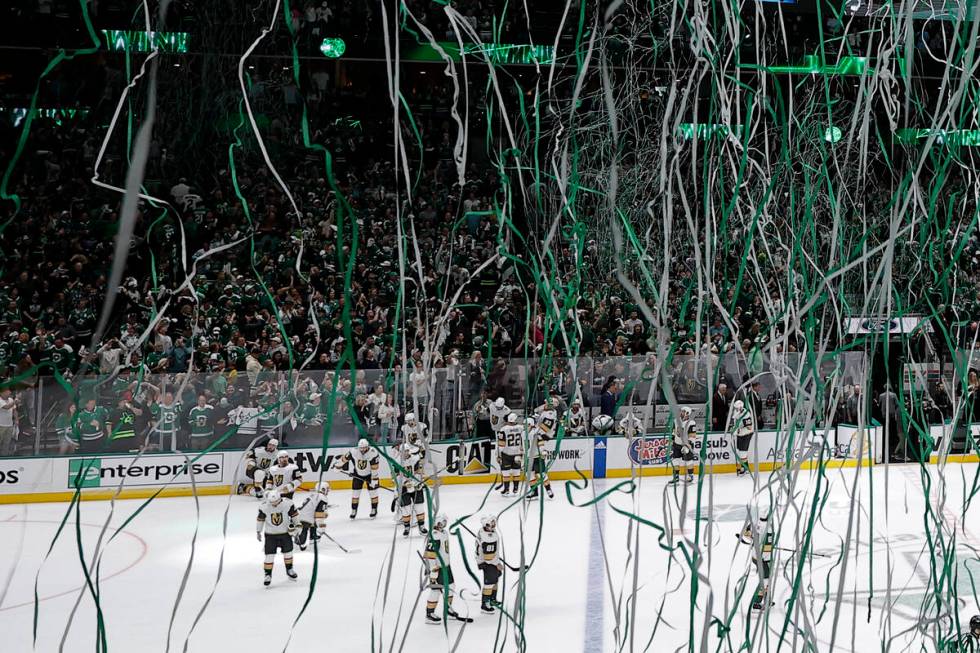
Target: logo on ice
159 470
650 451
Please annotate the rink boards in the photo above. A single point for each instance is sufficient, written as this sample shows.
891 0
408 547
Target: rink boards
467 461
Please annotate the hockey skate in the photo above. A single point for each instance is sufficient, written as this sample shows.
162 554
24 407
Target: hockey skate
486 608
551 495
458 617
431 618
422 529
406 530
675 480
506 491
689 478
374 512
268 579
292 573
353 513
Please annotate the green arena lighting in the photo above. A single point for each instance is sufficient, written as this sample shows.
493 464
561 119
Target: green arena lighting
333 47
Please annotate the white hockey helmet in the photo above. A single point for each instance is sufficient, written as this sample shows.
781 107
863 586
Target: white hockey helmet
529 421
738 405
488 522
322 487
273 497
409 418
363 444
272 443
441 521
283 454
499 402
685 412
512 418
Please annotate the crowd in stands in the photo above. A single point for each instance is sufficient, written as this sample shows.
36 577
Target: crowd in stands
234 284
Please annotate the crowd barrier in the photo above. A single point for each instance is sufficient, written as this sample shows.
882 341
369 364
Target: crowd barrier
464 461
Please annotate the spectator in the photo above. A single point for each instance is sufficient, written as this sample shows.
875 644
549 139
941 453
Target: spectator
719 408
609 397
8 422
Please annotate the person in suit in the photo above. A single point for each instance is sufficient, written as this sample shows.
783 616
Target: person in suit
719 408
609 397
891 419
755 403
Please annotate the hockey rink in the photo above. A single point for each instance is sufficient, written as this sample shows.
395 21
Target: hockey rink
600 581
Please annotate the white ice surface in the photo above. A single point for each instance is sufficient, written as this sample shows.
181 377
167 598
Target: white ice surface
572 593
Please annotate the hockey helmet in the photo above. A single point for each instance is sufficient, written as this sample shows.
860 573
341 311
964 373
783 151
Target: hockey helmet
499 402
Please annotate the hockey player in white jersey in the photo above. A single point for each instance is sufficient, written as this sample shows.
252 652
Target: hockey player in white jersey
441 582
488 560
257 464
742 427
313 514
411 481
284 476
414 432
278 519
576 420
498 415
365 462
631 426
682 454
510 452
539 433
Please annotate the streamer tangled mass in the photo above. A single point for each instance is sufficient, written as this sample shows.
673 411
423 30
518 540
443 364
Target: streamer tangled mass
654 323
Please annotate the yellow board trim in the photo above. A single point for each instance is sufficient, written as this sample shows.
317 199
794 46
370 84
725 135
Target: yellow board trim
955 458
104 494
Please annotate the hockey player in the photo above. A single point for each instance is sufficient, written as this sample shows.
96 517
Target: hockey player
257 464
510 450
414 432
313 515
487 546
759 534
365 461
631 426
440 572
498 415
278 519
538 434
576 421
741 426
685 430
411 482
285 476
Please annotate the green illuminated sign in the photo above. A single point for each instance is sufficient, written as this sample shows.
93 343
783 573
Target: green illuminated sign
504 53
495 53
961 137
847 66
333 47
701 131
56 114
118 40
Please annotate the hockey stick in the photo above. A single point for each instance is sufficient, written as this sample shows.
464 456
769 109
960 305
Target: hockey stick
339 545
504 562
782 548
349 475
